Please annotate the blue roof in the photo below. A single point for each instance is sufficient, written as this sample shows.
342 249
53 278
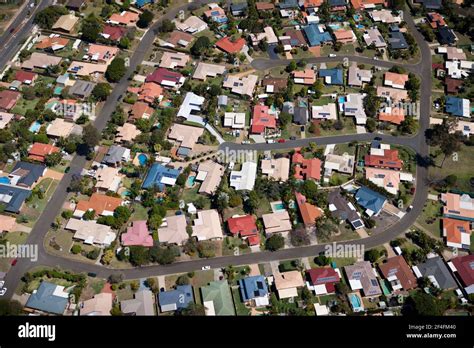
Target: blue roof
454 106
369 199
44 299
252 287
337 2
181 296
30 172
336 75
446 36
141 3
156 173
13 197
286 4
315 36
397 40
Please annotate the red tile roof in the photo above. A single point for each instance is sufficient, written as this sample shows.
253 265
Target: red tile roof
359 4
308 212
242 225
39 151
263 6
228 46
8 99
453 85
388 160
465 269
306 168
24 76
324 276
262 119
398 266
115 33
253 240
162 74
436 20
453 229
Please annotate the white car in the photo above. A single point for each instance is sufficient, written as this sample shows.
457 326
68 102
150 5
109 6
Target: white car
332 55
205 268
3 291
2 283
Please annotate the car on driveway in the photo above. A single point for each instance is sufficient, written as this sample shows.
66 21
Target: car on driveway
281 140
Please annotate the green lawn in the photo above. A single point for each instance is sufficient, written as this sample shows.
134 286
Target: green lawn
429 219
139 213
240 308
14 238
34 208
23 105
459 164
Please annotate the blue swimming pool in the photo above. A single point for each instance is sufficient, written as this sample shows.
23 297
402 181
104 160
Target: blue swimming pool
341 100
142 159
357 17
190 181
360 26
4 180
335 26
35 127
58 90
355 302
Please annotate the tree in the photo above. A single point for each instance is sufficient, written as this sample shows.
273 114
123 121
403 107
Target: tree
451 180
252 202
48 16
413 87
310 189
91 28
108 256
201 45
90 136
76 249
53 159
285 119
89 215
322 260
206 249
167 26
275 242
423 304
115 278
299 237
182 280
324 228
372 255
163 256
144 20
116 70
101 91
193 309
138 255
10 307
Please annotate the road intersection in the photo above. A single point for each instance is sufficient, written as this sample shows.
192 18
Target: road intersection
417 143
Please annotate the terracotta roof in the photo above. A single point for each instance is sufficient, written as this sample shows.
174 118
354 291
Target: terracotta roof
99 203
114 33
140 110
396 116
263 6
8 99
324 276
261 119
436 20
242 225
49 42
389 159
397 266
228 46
39 151
359 4
308 212
453 228
395 79
306 168
24 76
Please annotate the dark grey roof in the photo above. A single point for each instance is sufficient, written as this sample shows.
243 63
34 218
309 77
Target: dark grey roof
45 300
300 115
288 107
115 154
446 36
238 7
82 89
343 210
437 268
13 197
29 172
397 41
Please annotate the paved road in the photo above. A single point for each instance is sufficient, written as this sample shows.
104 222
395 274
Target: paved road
417 143
22 25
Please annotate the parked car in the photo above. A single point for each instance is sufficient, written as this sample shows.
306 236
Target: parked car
205 268
281 140
409 208
14 262
92 274
2 283
332 55
3 291
293 138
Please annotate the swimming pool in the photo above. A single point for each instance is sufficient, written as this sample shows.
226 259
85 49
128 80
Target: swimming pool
35 127
190 181
277 206
341 100
58 90
355 302
360 26
357 17
4 180
142 159
335 26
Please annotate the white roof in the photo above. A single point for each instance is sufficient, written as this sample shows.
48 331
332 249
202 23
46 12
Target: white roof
245 178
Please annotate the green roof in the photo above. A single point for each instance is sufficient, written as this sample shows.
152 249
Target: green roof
219 293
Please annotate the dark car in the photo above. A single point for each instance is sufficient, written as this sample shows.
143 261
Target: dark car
92 274
14 262
292 138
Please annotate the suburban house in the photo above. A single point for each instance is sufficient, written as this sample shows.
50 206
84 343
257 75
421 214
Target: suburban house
315 34
234 120
309 212
150 93
396 38
244 227
381 156
52 43
370 200
458 106
26 77
185 136
127 133
372 36
61 128
191 107
141 304
13 197
48 298
5 119
322 280
457 233
462 267
140 110
107 179
241 85
344 210
176 299
102 205
457 206
398 273
332 76
387 179
209 174
125 18
192 25
268 36
393 115
66 23
217 299
100 54
262 120
324 112
137 234
207 225
25 174
166 78
344 36
178 38
82 89
90 232
278 222
287 283
173 230
342 164
277 169
39 60
116 155
228 46
8 99
395 95
383 15
244 179
306 168
113 33
173 60
352 105
86 69
304 77
160 176
39 151
357 77
99 305
437 272
395 80
216 14
274 84
362 276
254 291
205 70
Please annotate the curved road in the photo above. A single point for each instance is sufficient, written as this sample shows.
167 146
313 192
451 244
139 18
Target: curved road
417 143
